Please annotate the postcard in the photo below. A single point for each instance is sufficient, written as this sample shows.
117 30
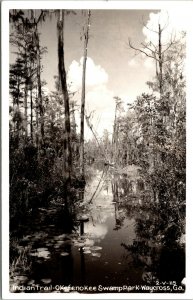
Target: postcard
96 132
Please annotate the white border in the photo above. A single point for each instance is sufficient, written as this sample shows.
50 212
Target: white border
6 5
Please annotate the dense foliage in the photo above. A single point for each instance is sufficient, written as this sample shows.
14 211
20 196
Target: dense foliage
43 130
38 144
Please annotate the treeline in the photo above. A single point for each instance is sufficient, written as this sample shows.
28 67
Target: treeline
48 154
151 133
44 143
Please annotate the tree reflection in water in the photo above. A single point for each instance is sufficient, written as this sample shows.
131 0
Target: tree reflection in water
158 226
129 238
154 252
116 191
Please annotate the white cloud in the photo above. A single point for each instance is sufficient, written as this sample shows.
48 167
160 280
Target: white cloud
173 21
149 64
96 231
142 62
95 74
100 100
133 63
100 97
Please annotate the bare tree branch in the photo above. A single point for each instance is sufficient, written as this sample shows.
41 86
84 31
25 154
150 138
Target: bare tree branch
150 28
154 52
140 50
166 24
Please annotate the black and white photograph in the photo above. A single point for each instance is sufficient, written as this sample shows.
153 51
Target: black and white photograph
96 200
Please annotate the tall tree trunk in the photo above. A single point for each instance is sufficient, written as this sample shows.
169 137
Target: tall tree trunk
37 121
115 130
160 61
114 145
160 54
13 106
25 111
39 84
86 37
73 120
31 114
75 142
40 98
62 80
18 112
25 97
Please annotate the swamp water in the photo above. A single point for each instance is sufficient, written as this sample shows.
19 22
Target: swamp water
123 242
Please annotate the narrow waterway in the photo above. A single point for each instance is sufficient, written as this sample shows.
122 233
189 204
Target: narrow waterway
114 239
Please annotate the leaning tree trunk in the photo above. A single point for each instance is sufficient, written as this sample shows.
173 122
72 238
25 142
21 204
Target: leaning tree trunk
86 36
63 84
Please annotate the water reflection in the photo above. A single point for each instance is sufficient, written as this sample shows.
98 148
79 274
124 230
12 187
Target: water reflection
156 247
95 230
125 237
117 190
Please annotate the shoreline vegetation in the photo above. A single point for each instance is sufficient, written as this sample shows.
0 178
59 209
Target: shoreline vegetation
60 182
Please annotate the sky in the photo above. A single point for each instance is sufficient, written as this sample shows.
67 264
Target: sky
111 70
112 67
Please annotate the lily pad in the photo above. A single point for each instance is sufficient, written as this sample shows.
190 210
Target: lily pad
79 244
30 282
83 218
96 254
41 253
46 280
87 251
21 278
48 244
59 237
42 249
86 248
96 248
89 242
60 242
64 253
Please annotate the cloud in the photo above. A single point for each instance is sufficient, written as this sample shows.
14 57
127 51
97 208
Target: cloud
95 74
133 63
145 62
96 231
100 101
173 22
149 64
98 98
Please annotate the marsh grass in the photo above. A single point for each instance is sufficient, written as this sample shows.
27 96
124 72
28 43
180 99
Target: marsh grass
20 261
